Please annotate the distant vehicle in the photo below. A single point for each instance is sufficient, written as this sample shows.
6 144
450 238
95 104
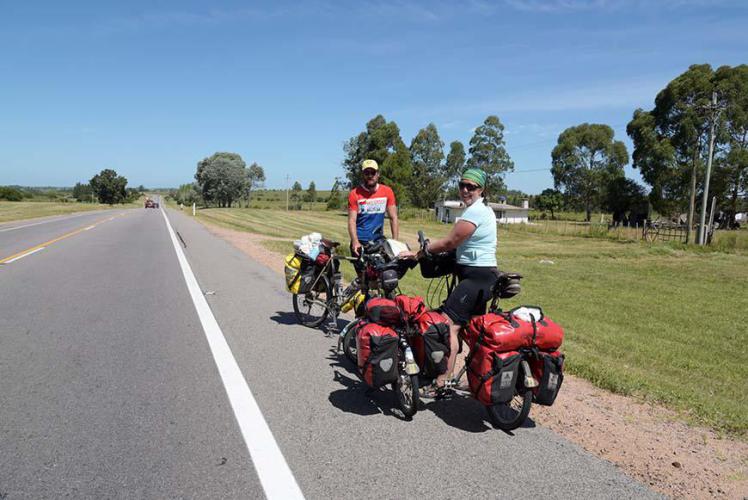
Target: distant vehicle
149 203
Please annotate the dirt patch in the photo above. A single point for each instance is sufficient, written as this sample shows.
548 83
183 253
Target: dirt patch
648 442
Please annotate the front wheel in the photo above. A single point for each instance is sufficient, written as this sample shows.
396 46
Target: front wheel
406 391
311 308
509 416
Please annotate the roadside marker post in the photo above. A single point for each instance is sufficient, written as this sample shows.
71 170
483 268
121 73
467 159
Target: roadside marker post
193 209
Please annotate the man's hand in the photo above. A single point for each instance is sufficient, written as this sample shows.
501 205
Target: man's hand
356 246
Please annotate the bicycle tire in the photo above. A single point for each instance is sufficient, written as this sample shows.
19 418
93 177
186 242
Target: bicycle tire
507 418
408 403
303 301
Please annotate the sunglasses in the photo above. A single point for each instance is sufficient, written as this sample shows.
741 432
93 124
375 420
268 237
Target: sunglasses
370 172
469 187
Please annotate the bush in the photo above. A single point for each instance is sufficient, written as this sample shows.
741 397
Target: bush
11 194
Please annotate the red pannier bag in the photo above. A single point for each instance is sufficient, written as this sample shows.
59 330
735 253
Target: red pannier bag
383 312
377 352
411 307
548 370
430 343
492 375
498 332
544 334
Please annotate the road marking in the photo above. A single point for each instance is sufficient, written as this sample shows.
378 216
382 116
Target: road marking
275 475
36 248
18 257
44 222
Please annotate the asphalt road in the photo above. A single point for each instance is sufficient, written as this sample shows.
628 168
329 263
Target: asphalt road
110 386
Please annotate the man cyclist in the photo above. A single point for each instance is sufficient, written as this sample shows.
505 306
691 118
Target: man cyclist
367 204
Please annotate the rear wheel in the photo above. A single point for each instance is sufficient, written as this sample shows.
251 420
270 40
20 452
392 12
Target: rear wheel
349 345
509 416
311 308
406 391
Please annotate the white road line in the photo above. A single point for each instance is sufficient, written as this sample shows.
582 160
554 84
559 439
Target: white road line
275 476
46 221
24 255
89 227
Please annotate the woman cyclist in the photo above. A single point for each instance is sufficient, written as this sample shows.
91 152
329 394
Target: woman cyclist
474 238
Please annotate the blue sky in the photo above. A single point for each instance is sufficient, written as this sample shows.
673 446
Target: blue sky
150 88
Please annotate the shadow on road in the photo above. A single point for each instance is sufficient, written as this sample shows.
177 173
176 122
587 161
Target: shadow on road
359 399
285 318
459 411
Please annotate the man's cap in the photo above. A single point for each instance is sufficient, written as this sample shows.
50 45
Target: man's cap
476 175
369 164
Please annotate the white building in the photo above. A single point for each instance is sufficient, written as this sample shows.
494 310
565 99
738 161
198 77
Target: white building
448 212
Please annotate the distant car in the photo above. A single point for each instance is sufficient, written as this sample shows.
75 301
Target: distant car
149 203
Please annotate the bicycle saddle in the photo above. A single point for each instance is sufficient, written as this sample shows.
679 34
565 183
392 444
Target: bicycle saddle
507 285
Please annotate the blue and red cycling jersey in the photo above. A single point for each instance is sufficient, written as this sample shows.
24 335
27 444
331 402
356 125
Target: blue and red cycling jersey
370 207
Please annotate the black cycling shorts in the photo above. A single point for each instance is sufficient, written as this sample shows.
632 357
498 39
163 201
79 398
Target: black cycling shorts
472 293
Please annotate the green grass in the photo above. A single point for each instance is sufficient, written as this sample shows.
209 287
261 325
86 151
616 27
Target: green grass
663 322
17 210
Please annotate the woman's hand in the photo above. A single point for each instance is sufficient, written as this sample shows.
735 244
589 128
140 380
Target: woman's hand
408 254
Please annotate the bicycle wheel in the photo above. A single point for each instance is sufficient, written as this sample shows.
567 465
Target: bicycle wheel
509 416
311 308
349 345
406 392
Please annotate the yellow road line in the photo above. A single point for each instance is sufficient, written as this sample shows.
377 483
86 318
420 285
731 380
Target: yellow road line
36 248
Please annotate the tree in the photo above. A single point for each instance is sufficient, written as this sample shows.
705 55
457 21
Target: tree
187 194
426 156
627 201
550 200
731 174
455 163
311 193
333 201
381 142
222 178
296 196
255 178
584 162
655 158
488 153
82 192
109 187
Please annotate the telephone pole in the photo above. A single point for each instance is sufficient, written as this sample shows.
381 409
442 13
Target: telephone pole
287 179
705 197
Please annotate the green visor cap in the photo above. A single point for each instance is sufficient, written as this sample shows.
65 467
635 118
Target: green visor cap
476 175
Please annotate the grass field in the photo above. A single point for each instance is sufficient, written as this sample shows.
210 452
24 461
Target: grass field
661 322
17 210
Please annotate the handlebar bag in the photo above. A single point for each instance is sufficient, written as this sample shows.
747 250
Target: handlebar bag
548 370
439 265
431 343
383 312
492 376
411 307
377 353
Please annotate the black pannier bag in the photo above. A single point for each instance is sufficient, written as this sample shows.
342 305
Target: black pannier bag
307 274
548 368
431 343
377 353
438 265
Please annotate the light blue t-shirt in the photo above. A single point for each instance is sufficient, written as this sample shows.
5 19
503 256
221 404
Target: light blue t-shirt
480 249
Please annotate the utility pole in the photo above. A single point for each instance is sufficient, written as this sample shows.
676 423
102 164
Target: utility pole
705 196
287 179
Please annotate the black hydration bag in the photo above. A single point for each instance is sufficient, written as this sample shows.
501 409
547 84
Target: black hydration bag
438 265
